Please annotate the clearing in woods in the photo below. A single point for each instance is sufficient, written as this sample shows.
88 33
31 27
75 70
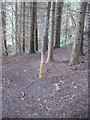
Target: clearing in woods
62 93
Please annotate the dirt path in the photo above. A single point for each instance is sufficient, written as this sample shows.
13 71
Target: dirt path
62 93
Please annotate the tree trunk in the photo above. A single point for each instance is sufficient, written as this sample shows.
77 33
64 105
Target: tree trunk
81 47
16 26
35 28
47 24
45 41
12 27
23 26
58 24
44 46
36 37
20 27
89 31
50 57
32 28
78 36
4 28
66 30
1 29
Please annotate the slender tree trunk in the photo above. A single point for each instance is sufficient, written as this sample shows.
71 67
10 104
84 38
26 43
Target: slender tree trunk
36 37
12 27
23 26
47 25
78 36
32 28
35 28
44 42
81 47
73 20
4 28
50 57
16 26
89 27
1 30
58 24
66 26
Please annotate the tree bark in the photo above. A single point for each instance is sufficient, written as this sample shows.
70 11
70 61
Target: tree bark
58 24
16 26
66 30
0 29
12 27
81 47
44 46
45 41
89 33
36 37
4 28
47 25
35 28
32 28
50 57
78 36
23 26
20 27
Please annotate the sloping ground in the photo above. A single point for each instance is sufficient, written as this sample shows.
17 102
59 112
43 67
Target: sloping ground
62 93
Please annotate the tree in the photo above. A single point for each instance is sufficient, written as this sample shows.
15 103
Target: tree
58 24
78 35
35 28
67 20
0 30
81 46
32 28
23 26
47 25
89 23
16 25
4 29
44 46
45 41
12 27
50 57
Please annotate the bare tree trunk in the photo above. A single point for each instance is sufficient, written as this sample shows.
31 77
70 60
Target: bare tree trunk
0 29
66 26
45 41
4 28
47 24
44 46
35 28
81 47
23 26
16 26
12 27
78 36
89 29
36 37
50 57
32 28
20 27
58 24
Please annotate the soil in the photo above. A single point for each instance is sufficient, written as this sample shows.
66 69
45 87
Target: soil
61 93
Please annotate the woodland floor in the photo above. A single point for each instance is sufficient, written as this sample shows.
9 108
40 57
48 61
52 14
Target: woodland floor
62 93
